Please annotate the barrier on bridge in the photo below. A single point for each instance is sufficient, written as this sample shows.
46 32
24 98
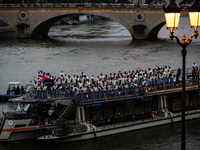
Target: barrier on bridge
76 5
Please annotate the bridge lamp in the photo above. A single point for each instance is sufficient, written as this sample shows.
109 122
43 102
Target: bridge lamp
172 16
194 14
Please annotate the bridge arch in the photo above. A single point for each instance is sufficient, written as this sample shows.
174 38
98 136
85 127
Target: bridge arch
43 25
153 29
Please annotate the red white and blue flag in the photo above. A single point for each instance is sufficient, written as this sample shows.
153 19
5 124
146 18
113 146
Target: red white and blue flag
43 76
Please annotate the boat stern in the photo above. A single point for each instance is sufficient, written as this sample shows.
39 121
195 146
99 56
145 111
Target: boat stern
12 129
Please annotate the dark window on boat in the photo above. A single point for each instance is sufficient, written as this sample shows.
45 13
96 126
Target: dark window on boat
108 111
129 107
154 102
20 125
87 113
97 113
139 106
169 99
149 105
193 99
174 102
177 100
81 113
94 112
119 109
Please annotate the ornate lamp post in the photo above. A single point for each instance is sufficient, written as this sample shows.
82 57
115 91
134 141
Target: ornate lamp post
172 16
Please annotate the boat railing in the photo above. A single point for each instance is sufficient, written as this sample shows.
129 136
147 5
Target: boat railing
151 88
125 120
134 92
49 130
125 93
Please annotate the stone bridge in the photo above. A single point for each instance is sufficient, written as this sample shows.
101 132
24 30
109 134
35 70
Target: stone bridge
142 22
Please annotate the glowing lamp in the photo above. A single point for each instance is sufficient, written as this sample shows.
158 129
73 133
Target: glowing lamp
194 19
172 15
172 20
194 14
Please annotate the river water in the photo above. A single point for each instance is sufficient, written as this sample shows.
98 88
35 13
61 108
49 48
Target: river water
102 47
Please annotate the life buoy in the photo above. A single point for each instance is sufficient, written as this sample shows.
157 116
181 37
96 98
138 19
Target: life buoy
46 122
153 114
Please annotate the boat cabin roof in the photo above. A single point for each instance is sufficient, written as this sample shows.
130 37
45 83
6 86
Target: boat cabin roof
14 83
11 85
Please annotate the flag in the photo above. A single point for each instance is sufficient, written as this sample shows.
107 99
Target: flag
43 76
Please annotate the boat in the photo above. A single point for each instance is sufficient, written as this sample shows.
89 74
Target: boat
76 19
80 19
15 89
75 120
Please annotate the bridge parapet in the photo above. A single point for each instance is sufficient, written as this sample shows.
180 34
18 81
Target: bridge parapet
81 6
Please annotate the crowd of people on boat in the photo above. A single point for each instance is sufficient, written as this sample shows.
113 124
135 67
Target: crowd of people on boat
82 88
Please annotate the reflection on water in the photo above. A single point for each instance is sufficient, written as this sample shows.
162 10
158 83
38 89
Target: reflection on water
94 48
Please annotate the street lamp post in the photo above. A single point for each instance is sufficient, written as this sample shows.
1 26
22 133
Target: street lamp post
172 16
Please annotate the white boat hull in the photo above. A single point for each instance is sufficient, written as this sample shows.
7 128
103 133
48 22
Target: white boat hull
121 129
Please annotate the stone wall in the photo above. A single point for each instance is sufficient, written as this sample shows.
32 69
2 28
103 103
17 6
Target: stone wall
5 28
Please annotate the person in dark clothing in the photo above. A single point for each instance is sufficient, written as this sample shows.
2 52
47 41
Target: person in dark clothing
179 71
193 74
178 76
22 89
17 91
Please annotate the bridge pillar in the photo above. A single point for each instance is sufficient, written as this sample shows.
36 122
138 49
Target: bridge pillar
23 31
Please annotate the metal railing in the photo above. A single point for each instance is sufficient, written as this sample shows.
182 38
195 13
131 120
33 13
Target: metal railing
133 92
125 120
84 5
125 93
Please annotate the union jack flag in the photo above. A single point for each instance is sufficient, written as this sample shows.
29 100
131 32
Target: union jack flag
43 76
